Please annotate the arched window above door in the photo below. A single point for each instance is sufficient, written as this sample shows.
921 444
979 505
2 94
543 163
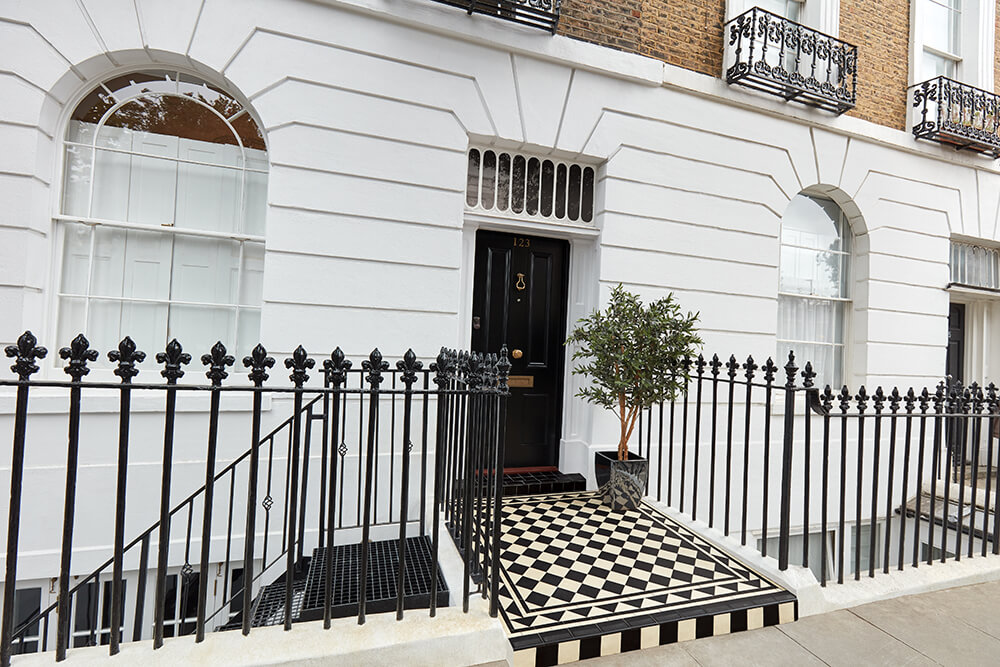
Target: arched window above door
162 215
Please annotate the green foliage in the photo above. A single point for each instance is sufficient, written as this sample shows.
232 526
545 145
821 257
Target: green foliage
634 355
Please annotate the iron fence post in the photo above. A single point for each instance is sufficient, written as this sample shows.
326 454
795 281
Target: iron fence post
786 462
24 353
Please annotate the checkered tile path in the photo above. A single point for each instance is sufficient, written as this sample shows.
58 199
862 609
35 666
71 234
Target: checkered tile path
572 569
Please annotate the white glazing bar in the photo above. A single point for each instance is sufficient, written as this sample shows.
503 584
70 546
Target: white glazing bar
160 302
180 160
165 228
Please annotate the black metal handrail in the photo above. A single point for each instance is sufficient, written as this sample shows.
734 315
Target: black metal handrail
781 57
542 14
904 469
471 387
955 113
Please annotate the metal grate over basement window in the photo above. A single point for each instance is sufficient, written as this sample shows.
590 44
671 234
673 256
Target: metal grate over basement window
975 266
529 186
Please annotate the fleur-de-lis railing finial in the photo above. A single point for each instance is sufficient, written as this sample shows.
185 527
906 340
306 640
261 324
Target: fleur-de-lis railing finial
769 369
172 358
127 357
442 367
24 354
808 375
336 367
374 366
715 364
217 360
750 366
409 364
299 363
78 354
258 362
475 376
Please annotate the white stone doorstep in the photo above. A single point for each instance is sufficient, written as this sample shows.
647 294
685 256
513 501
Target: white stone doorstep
451 638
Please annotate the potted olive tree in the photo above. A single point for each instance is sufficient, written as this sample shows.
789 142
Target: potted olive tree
635 356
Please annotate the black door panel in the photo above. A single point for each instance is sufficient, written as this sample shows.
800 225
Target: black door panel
519 300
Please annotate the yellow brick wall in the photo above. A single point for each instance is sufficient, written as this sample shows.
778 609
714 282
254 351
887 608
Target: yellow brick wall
881 31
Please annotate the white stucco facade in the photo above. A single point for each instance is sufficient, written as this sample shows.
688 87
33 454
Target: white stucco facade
368 109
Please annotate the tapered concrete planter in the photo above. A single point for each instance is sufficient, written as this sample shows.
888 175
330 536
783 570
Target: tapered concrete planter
622 483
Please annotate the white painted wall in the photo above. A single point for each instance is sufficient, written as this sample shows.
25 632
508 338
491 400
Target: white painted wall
368 107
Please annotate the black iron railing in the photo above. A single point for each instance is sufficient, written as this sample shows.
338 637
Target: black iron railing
784 58
366 418
955 113
542 14
912 477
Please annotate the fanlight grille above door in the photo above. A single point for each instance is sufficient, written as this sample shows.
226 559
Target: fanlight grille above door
531 187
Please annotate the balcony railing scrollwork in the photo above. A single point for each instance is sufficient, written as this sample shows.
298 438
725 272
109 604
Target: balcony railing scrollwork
542 14
955 113
774 55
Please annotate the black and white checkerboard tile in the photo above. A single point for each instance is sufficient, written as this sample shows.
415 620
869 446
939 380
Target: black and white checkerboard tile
581 581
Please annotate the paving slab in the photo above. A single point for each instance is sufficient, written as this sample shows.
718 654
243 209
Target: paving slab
842 638
920 623
767 647
977 605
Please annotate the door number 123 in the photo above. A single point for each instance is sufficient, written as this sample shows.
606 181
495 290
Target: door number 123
522 242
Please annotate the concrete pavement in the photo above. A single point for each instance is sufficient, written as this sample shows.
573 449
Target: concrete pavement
958 626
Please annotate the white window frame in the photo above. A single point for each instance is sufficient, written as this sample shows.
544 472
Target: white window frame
783 344
822 15
61 221
977 46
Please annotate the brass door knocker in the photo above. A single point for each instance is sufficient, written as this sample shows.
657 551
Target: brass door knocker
520 283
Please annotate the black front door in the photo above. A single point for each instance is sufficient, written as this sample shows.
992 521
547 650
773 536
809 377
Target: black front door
956 342
519 300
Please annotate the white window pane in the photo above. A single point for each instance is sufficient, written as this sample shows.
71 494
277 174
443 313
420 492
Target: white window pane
811 272
71 322
108 271
935 65
146 323
249 331
810 320
812 223
252 281
76 184
76 258
255 193
941 26
198 328
208 197
103 328
112 177
153 181
205 270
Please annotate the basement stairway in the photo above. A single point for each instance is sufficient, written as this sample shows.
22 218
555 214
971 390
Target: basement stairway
268 607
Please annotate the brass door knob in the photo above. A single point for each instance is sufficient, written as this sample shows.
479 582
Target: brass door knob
517 354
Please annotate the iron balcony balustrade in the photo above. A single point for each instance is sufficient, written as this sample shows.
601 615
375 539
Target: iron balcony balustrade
771 54
955 113
542 14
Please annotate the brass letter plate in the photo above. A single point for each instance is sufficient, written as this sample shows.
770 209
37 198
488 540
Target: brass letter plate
523 381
